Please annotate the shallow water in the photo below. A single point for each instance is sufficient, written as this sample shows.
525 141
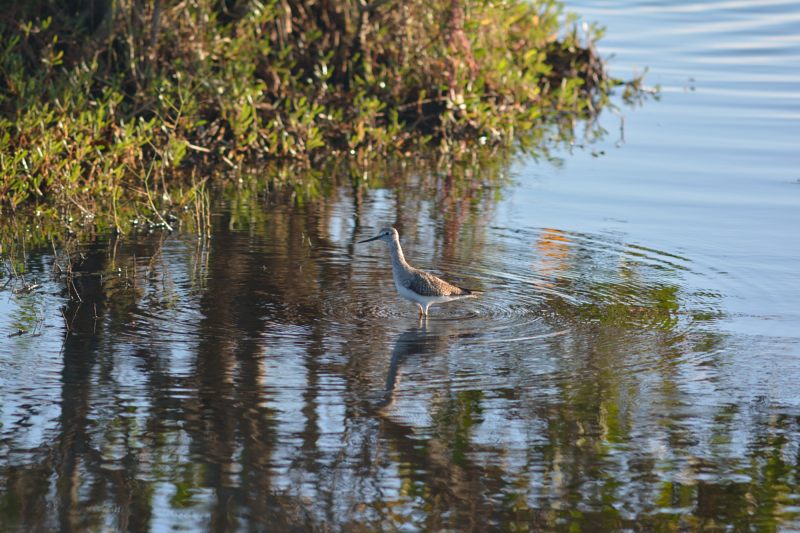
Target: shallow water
633 361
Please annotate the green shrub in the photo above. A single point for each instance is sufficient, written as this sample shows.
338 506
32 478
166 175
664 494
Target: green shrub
105 102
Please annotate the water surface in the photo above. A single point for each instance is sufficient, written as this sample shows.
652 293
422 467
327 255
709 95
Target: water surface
633 363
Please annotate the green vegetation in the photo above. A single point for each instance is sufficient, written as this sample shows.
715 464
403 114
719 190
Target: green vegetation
109 107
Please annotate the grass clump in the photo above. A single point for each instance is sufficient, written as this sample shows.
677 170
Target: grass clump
110 106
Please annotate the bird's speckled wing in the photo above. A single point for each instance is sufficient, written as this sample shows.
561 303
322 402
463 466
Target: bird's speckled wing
426 284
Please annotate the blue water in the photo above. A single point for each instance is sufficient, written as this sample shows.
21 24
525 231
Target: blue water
711 171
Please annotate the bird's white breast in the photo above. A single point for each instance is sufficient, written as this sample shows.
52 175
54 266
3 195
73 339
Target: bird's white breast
408 294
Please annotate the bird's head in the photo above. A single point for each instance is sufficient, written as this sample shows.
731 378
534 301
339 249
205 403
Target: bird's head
385 234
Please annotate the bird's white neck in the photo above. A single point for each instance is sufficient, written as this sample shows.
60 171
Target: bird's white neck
398 259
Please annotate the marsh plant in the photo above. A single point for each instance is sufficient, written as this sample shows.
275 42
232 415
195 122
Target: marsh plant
108 108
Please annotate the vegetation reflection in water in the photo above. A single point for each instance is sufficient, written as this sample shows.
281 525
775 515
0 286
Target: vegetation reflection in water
268 377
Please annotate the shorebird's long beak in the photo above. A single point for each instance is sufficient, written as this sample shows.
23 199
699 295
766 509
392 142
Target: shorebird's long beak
367 240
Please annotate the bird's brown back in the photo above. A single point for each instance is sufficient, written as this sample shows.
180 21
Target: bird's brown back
426 284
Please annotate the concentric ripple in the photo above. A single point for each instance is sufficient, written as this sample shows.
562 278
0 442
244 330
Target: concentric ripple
545 296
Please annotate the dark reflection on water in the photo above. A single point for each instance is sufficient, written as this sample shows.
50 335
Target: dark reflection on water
269 377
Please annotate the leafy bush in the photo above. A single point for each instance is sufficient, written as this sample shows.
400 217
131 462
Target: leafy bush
105 102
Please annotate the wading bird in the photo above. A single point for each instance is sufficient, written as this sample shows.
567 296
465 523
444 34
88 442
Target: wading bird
422 288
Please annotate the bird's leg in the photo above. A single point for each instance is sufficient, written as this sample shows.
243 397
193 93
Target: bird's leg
420 310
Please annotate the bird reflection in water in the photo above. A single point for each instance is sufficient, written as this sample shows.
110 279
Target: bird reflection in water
416 341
